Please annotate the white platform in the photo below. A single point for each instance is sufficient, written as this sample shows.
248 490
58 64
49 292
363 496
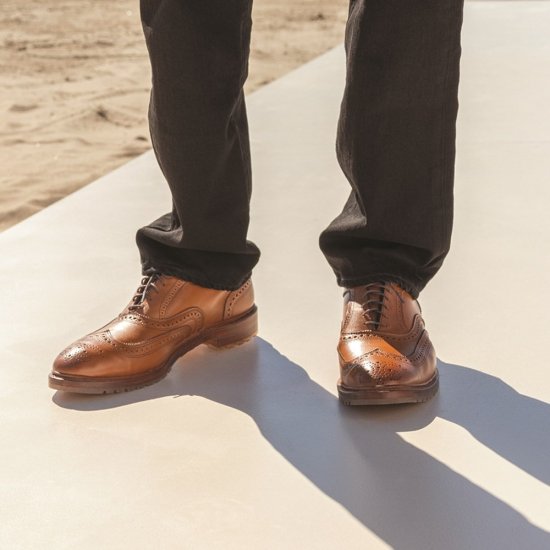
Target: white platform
249 449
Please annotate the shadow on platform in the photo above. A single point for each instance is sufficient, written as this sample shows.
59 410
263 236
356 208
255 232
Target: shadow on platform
356 456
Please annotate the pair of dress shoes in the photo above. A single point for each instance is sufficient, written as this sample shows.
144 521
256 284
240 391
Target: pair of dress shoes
385 353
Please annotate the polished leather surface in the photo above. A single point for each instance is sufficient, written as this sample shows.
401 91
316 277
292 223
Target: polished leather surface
383 341
169 313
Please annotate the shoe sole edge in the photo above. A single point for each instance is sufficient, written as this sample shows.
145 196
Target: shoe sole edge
388 395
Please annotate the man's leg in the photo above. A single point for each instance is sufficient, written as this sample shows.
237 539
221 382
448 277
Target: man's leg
196 259
199 58
396 146
396 142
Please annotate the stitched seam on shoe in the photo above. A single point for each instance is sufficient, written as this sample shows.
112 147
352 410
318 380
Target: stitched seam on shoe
143 350
347 316
168 300
411 335
154 339
166 324
140 348
380 353
235 298
420 350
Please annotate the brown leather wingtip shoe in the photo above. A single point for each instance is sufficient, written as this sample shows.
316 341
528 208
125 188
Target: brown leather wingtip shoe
166 318
386 356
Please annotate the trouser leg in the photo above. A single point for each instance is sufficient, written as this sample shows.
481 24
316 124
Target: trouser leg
197 116
396 142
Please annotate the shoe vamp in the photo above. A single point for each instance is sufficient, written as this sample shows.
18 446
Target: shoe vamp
354 346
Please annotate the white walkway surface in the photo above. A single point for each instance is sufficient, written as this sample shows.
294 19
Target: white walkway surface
249 449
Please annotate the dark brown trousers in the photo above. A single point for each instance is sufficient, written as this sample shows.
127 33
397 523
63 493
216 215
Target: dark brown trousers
395 141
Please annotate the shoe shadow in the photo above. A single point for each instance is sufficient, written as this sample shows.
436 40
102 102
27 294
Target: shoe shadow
513 425
355 455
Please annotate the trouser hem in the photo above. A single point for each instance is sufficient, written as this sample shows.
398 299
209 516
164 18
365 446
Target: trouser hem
348 282
200 281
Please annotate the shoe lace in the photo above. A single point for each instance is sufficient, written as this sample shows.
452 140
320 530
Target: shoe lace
147 284
374 305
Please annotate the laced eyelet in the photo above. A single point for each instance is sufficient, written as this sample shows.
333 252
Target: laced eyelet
147 283
373 305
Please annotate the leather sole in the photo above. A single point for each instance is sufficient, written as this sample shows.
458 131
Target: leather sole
389 395
224 335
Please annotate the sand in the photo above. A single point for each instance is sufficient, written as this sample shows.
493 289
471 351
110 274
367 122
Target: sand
75 84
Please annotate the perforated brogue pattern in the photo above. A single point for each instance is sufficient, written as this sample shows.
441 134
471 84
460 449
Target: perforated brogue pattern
347 316
170 296
135 349
394 354
234 298
423 346
79 352
75 353
413 334
168 323
378 372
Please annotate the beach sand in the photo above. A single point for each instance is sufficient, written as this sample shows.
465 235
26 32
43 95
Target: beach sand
75 86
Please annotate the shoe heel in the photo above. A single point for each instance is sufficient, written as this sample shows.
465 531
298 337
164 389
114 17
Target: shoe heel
236 333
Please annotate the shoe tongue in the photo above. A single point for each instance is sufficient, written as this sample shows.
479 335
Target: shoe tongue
373 300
